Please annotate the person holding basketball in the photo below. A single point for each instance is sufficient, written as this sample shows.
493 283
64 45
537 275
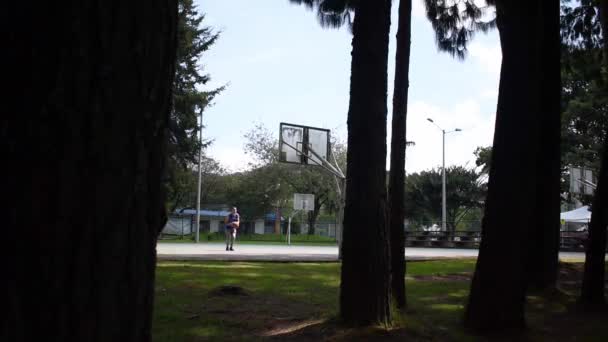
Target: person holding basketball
232 222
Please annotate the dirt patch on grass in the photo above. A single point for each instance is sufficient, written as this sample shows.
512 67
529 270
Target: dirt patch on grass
555 315
261 314
465 276
570 277
228 290
267 317
572 325
331 330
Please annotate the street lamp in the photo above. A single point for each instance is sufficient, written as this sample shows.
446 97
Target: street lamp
443 192
198 187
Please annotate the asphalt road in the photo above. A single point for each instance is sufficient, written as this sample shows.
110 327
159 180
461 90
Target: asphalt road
216 251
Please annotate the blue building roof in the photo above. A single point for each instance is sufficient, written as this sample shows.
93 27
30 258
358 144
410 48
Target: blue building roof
203 212
272 216
218 213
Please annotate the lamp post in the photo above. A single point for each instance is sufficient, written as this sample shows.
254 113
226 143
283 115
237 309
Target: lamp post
198 190
443 191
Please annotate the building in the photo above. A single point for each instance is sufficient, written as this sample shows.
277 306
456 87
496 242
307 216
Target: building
183 222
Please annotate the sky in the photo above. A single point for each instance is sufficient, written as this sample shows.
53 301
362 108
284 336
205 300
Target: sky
279 65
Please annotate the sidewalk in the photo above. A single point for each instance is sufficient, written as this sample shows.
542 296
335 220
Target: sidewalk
261 252
217 251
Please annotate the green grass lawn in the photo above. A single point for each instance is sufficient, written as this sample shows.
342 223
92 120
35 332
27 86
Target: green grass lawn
298 301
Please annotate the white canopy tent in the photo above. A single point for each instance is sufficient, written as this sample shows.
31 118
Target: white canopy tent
579 215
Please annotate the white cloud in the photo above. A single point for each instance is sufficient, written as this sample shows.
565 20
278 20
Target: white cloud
233 159
477 130
264 56
490 94
490 57
418 10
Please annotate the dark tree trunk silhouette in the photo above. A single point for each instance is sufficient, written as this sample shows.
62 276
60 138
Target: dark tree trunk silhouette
396 183
85 135
364 288
496 300
544 253
313 215
592 294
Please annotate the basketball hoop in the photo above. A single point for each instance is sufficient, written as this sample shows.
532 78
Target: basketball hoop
306 145
581 180
304 202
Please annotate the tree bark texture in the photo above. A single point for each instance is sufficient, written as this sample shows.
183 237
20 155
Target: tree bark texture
313 215
592 293
544 253
89 90
364 288
497 296
396 183
593 288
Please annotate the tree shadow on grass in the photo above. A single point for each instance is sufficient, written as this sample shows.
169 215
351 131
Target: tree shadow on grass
555 314
298 302
332 330
433 315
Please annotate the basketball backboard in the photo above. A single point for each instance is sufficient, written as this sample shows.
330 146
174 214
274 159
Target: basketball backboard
581 180
304 202
303 144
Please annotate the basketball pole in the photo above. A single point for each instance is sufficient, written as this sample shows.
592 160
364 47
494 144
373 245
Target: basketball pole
340 226
443 192
305 158
340 185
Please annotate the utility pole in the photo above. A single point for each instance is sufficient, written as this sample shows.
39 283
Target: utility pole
443 192
443 177
198 192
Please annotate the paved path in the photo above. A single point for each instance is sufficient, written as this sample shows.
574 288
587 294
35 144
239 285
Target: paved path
216 251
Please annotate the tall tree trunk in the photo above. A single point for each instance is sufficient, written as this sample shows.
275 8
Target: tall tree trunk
592 294
89 98
544 253
396 183
500 278
364 288
312 216
277 221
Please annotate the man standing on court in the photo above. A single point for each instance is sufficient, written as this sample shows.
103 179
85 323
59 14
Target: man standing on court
232 222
